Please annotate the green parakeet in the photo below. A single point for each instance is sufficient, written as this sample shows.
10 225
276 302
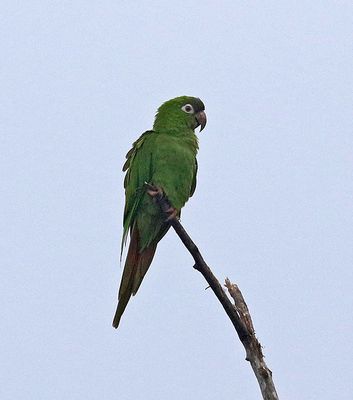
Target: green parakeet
164 158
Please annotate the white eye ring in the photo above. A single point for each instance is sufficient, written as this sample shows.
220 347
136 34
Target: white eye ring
188 108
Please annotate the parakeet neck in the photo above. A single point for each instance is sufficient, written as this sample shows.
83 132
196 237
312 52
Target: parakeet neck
170 123
185 134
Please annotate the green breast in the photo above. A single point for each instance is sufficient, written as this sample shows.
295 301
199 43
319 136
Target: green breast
174 166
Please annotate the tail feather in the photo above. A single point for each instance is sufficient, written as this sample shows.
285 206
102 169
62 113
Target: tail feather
144 262
136 266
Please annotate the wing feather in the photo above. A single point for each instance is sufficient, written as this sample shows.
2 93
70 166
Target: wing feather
193 185
138 171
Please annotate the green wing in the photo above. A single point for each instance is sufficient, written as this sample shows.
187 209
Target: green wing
138 167
193 185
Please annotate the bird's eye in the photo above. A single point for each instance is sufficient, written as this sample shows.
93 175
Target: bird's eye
188 108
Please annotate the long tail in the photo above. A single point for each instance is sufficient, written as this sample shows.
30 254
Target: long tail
136 266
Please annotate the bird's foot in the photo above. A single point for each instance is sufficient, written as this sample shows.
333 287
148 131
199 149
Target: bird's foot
158 194
154 191
173 212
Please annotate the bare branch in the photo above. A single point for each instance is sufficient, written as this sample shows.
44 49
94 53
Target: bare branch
237 313
253 347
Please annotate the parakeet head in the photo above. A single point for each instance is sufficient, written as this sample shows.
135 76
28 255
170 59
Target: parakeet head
180 113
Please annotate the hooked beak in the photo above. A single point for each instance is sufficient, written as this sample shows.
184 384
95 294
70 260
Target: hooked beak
201 119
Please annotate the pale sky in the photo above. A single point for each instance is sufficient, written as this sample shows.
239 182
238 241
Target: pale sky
80 81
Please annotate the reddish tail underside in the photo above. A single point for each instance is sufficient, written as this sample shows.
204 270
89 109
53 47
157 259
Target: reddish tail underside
136 266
